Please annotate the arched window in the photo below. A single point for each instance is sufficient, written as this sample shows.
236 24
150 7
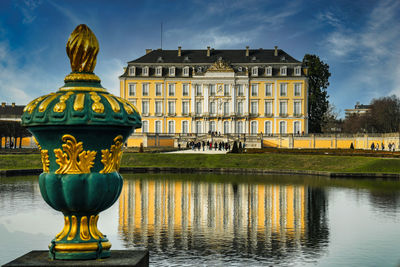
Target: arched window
282 127
268 127
253 127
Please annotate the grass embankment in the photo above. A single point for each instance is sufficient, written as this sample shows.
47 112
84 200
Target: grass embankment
270 161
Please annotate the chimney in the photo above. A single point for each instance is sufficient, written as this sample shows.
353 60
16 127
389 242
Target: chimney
13 104
208 51
276 51
247 51
148 51
3 104
179 51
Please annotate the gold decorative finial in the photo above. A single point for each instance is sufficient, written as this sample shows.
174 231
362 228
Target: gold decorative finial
82 49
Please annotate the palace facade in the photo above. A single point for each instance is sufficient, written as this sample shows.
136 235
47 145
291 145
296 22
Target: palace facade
250 91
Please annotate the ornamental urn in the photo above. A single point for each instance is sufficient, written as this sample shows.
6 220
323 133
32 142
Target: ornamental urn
80 131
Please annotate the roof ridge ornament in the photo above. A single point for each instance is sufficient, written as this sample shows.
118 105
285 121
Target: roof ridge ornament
220 66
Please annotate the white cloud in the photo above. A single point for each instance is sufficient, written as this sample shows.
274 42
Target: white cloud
27 8
341 44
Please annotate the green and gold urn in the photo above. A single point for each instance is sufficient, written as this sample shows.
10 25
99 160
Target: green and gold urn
80 131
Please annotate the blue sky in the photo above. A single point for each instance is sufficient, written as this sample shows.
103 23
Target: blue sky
360 40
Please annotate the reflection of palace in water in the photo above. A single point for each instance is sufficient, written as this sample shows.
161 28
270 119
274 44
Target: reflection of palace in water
164 213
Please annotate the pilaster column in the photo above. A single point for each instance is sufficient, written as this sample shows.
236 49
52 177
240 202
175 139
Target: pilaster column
205 94
233 100
192 104
246 101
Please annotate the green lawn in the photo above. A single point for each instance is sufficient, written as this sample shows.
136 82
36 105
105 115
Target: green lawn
264 161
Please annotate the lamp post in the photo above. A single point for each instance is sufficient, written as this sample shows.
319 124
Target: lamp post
80 130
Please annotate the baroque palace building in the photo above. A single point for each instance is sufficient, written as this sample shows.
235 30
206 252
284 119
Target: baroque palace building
250 91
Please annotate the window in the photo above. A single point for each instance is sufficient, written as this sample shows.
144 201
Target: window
185 127
132 71
268 89
172 71
297 89
133 102
240 90
145 126
226 127
297 108
145 107
171 107
198 89
268 108
239 127
158 89
145 71
185 89
253 127
297 71
254 90
159 71
186 71
268 71
240 108
296 127
268 127
283 108
198 127
185 107
212 108
226 108
254 71
254 107
145 89
212 126
283 91
226 89
171 127
158 107
212 89
282 127
171 89
198 107
132 89
283 71
158 127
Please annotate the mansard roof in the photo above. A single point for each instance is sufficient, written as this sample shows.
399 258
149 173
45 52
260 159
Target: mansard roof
200 56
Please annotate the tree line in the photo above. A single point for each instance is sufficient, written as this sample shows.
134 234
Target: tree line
12 133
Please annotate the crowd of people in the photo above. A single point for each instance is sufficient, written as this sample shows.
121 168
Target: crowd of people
391 146
209 145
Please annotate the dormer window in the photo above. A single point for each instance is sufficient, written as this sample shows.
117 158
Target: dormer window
132 71
159 71
283 71
297 71
186 71
145 71
172 71
240 69
268 71
254 71
160 60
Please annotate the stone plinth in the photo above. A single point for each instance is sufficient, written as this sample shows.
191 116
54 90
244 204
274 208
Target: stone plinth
119 258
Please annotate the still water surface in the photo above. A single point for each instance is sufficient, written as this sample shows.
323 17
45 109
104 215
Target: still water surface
217 220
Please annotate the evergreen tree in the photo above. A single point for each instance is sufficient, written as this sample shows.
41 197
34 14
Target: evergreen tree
318 81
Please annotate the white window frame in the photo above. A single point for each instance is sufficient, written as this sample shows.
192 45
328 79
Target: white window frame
254 89
132 71
226 108
270 127
285 127
160 87
199 127
254 111
197 88
158 112
145 71
212 89
133 102
185 71
171 71
155 127
239 127
283 71
226 89
185 89
268 89
294 127
270 112
294 108
198 107
145 126
134 89
297 71
268 71
213 107
297 86
144 103
145 89
283 89
213 126
283 113
240 110
226 128
171 122
254 71
183 127
251 127
240 90
159 71
171 107
171 89
185 103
